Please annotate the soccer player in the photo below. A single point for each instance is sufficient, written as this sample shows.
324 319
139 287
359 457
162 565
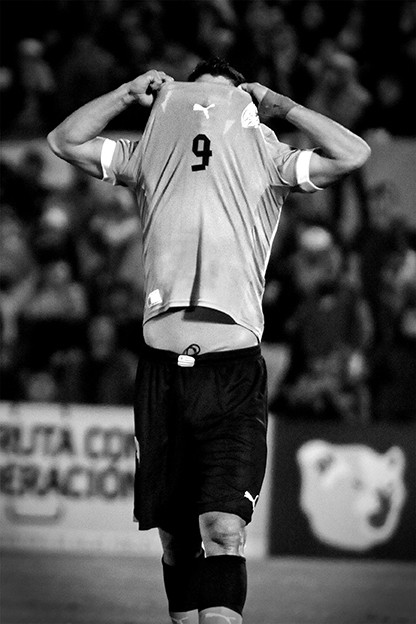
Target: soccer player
210 182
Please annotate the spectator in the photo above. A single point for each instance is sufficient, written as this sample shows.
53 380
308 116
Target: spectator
283 66
350 37
382 240
10 365
122 302
58 296
110 245
216 28
87 71
36 85
23 185
39 386
392 109
398 274
259 21
328 337
176 58
103 373
310 23
289 71
54 317
393 366
53 237
126 34
18 276
338 92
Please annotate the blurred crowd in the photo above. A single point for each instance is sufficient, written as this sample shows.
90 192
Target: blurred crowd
341 306
352 59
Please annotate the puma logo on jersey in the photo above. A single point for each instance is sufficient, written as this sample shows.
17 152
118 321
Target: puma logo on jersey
203 109
252 500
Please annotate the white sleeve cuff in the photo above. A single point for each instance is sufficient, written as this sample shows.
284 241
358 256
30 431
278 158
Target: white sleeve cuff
107 153
302 172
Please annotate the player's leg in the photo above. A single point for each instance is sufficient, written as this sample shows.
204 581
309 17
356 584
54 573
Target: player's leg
232 460
181 561
224 576
164 482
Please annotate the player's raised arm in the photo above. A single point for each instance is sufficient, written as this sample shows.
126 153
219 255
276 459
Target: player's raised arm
341 151
77 139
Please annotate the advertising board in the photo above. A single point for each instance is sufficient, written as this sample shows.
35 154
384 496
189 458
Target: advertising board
67 479
344 491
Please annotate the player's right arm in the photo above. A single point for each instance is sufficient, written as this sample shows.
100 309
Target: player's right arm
77 139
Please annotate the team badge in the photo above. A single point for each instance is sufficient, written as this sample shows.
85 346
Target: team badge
250 116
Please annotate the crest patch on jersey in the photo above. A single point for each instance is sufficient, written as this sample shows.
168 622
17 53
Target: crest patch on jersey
250 116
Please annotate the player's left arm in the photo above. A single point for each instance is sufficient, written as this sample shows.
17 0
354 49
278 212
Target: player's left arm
340 150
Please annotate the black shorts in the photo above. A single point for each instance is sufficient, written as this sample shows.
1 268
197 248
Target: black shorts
200 436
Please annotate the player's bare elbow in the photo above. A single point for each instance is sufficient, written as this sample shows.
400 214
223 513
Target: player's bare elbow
361 154
354 159
326 170
56 144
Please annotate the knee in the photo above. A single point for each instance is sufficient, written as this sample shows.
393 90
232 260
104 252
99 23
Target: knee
177 550
222 533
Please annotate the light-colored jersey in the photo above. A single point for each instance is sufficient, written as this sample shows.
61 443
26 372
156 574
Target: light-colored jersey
210 182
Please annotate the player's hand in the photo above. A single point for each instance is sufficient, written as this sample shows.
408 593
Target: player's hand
269 103
255 89
145 87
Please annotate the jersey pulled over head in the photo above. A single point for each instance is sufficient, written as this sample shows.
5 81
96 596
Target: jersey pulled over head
210 182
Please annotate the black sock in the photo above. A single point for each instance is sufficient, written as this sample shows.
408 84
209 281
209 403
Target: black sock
223 583
182 584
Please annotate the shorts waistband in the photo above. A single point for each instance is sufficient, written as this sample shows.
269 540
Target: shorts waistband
212 357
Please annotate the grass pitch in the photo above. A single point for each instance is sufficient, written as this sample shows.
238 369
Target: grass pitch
61 588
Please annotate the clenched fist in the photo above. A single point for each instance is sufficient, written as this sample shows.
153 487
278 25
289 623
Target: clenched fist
143 89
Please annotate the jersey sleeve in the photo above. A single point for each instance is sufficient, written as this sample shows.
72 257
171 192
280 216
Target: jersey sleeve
292 164
119 162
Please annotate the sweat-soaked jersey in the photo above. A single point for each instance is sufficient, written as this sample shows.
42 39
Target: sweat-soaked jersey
210 181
